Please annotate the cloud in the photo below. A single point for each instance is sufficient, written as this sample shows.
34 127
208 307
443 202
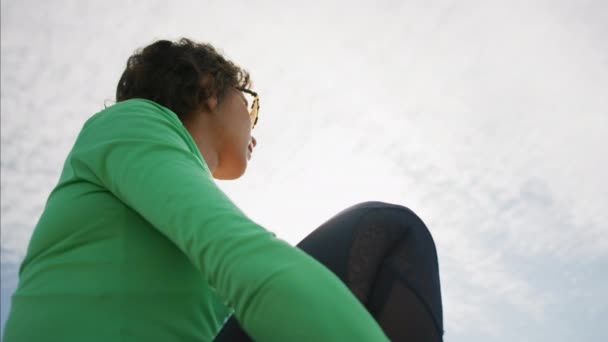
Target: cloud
488 120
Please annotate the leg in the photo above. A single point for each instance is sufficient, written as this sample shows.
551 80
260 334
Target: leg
386 256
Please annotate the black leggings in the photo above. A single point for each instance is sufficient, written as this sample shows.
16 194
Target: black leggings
386 256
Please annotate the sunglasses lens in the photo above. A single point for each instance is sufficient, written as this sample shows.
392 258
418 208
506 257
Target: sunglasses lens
253 114
254 106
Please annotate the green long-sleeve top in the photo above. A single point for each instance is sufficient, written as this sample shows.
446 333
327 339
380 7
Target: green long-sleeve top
137 243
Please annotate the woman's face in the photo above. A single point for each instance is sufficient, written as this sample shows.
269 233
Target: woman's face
232 131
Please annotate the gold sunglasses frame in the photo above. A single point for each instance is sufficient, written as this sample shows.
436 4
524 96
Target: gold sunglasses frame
255 106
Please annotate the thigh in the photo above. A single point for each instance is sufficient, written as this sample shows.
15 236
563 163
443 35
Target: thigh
386 256
354 243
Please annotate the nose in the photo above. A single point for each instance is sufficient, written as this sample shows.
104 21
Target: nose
253 141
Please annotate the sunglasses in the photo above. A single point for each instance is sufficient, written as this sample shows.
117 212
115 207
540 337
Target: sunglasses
255 105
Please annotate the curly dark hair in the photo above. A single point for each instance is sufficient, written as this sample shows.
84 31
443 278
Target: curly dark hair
179 75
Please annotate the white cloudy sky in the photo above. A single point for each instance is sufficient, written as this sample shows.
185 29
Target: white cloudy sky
487 118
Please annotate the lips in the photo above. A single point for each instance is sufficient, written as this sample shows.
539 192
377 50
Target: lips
250 149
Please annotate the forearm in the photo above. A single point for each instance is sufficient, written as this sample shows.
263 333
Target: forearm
307 303
280 293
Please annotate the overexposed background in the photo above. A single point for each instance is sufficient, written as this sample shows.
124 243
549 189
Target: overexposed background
487 118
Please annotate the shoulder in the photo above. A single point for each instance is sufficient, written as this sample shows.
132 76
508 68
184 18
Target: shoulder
135 109
136 122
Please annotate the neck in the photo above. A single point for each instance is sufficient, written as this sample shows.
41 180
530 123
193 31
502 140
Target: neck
209 154
204 139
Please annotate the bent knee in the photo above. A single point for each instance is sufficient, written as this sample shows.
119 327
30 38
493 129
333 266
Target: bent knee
390 214
374 206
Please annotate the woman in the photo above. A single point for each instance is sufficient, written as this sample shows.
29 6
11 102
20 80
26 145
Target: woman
137 243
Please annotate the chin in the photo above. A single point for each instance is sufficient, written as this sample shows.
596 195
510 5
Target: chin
230 173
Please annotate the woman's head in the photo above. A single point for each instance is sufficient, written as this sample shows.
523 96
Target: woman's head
204 90
181 76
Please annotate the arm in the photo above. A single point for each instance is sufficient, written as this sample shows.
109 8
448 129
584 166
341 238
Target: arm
278 292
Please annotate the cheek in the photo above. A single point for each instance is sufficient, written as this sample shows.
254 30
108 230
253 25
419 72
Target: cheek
236 128
241 137
246 129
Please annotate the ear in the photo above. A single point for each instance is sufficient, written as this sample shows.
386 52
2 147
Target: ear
206 84
211 103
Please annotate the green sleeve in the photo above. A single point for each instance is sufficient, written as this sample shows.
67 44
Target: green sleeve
147 159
